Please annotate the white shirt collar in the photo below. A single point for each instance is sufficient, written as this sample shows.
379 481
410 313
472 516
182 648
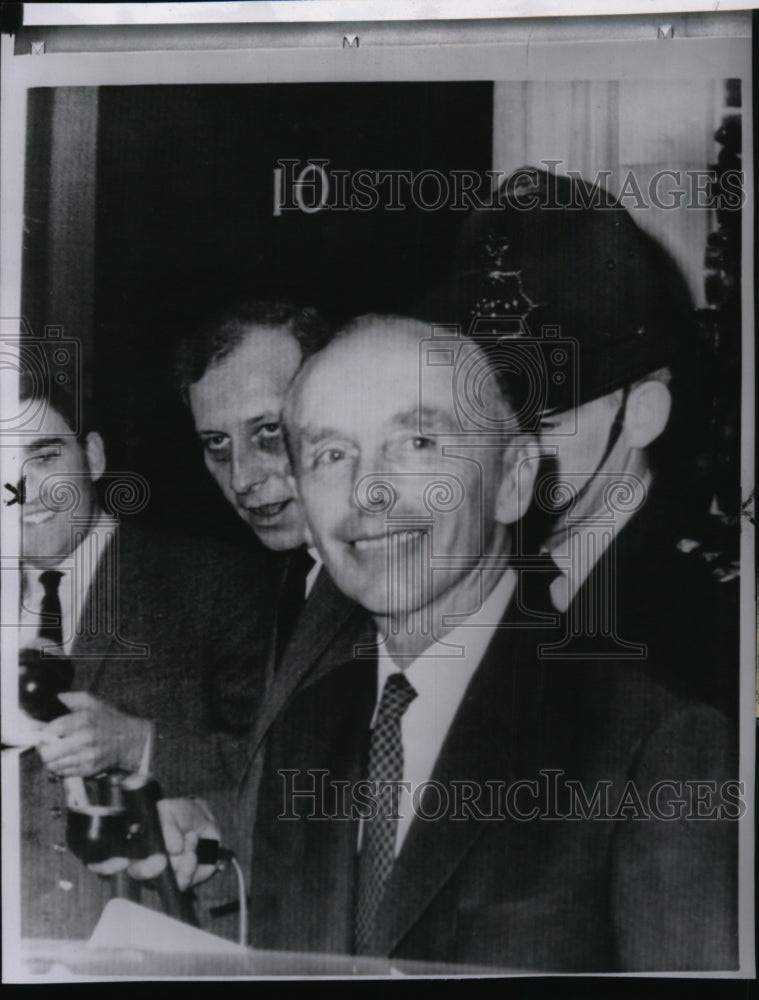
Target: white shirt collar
314 571
78 569
454 658
440 676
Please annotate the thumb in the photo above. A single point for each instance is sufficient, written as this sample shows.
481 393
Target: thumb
78 699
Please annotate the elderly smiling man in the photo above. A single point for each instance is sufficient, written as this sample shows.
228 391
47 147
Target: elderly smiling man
445 794
448 796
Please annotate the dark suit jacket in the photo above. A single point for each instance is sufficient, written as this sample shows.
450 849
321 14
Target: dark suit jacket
200 616
327 633
501 885
648 602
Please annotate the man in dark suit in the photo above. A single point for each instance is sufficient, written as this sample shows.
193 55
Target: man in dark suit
233 372
167 641
500 804
460 797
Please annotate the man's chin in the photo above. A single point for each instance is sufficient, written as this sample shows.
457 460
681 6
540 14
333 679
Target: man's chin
39 554
42 561
378 602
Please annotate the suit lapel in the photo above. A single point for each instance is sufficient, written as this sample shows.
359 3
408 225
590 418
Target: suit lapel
340 747
108 613
310 863
93 640
321 636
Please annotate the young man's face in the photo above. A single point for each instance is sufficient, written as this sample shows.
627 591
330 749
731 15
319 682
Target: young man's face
391 539
236 407
56 466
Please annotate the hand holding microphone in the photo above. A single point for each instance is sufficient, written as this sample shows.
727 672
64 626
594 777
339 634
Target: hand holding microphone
83 735
92 736
127 825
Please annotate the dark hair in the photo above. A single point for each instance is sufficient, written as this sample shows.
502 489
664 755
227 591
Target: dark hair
77 410
221 333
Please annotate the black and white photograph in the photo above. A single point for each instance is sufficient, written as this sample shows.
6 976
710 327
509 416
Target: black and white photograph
376 450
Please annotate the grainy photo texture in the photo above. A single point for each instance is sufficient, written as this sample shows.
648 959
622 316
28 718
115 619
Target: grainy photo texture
377 564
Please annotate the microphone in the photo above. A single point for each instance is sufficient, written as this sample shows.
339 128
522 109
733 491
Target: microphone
40 680
123 820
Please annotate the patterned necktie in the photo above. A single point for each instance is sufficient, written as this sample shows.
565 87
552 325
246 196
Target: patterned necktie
51 626
292 597
378 847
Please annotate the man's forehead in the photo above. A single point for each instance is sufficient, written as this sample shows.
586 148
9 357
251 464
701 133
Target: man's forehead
251 380
265 353
267 348
365 383
381 372
375 352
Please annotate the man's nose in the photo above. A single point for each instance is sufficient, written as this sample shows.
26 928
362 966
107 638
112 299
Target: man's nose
373 492
248 472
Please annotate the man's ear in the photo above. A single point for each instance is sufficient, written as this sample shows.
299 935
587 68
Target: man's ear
647 412
94 449
520 466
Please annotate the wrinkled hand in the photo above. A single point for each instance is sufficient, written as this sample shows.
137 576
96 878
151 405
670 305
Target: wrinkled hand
93 737
184 822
